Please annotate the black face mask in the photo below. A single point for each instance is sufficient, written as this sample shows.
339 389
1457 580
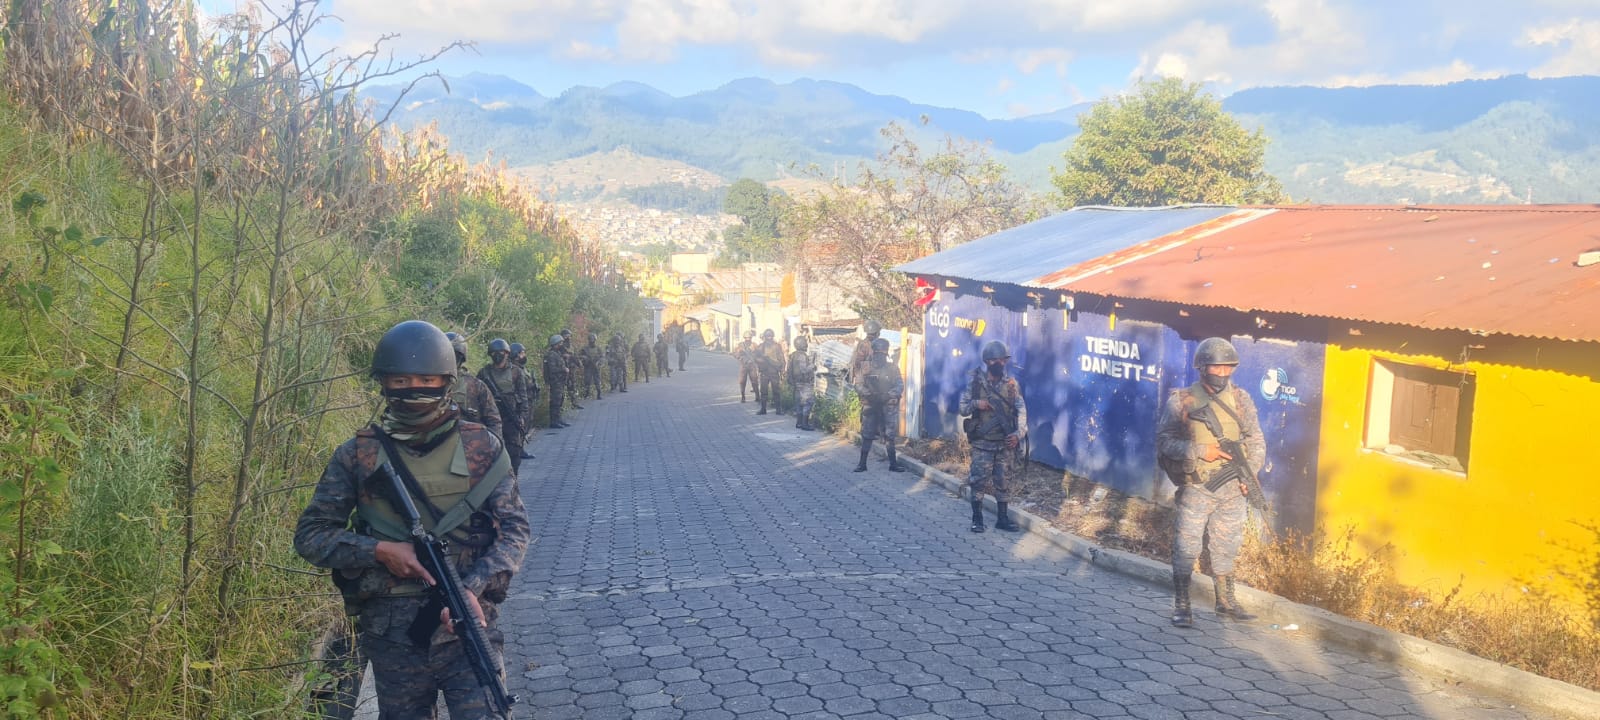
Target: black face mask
997 368
1215 383
498 358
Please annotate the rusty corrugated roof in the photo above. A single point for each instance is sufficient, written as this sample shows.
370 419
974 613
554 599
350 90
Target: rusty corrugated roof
1489 269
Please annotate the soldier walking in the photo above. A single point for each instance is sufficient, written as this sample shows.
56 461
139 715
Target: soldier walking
998 420
803 381
374 563
1195 421
506 385
641 359
555 379
471 397
770 360
745 353
880 389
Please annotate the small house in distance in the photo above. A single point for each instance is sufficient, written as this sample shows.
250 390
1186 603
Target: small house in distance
1425 375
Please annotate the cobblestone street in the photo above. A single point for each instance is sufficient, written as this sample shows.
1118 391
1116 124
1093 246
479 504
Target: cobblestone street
695 560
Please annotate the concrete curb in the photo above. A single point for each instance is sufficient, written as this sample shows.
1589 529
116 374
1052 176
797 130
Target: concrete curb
1424 656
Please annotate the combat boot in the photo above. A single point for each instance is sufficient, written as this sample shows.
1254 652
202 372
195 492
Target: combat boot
977 516
741 394
861 465
1003 519
1182 616
763 409
1228 606
894 462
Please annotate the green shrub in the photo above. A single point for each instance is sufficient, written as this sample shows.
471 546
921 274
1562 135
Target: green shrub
838 416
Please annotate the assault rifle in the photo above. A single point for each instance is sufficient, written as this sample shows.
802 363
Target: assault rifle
448 592
1237 470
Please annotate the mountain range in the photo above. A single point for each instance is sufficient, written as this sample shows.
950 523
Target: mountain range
1512 139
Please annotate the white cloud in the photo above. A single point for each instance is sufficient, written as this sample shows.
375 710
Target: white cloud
1004 86
1029 61
1576 43
1311 39
1455 71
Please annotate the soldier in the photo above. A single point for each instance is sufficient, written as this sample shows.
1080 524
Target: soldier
681 344
663 368
506 384
998 420
617 359
641 359
519 358
769 364
861 357
803 379
470 395
1193 421
592 356
351 528
746 355
574 368
880 390
555 379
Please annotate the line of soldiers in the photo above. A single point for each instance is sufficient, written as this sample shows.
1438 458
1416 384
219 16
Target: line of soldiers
767 368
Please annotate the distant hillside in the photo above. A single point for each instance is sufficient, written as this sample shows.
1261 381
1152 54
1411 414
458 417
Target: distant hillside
1505 140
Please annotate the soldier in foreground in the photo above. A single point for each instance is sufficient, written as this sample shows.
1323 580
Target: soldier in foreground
997 419
354 530
506 384
592 357
641 359
1196 423
803 382
745 353
555 379
769 364
861 356
880 389
471 396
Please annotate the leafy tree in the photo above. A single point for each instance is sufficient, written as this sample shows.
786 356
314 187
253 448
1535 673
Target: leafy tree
755 238
1167 143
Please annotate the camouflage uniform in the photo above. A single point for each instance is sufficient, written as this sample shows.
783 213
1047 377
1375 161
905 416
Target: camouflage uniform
476 403
508 388
641 359
334 532
746 354
1182 438
555 382
860 361
770 360
663 367
880 389
591 357
617 361
530 395
803 379
681 344
1007 415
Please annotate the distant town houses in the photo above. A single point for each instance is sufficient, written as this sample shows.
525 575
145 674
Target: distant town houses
625 224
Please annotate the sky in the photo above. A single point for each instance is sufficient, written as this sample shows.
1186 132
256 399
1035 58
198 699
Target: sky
1000 58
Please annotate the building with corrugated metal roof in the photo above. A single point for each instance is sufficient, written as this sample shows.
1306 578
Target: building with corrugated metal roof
1426 376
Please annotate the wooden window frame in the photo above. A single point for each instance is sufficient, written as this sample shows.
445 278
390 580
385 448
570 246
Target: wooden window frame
1422 414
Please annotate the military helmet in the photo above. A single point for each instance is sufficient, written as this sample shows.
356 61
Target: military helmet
556 339
566 332
750 333
414 347
518 349
499 345
459 344
593 338
767 334
880 346
995 350
800 343
1215 351
872 328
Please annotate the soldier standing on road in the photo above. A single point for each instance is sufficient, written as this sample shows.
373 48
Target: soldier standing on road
355 531
745 353
592 357
880 389
641 359
861 356
519 358
999 418
506 384
569 351
663 368
681 344
555 379
769 364
617 359
803 380
1193 420
471 396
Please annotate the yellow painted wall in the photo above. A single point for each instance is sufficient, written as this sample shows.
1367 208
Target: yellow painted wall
1512 520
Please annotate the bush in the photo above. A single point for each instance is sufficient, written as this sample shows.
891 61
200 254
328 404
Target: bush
838 416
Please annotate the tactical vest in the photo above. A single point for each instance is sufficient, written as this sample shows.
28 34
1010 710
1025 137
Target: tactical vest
449 482
1200 431
463 400
996 423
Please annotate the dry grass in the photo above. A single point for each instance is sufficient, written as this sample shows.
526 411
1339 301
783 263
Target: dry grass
1532 632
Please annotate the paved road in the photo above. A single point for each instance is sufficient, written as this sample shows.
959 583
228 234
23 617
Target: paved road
697 561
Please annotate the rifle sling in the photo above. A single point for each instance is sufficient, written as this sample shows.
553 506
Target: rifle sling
444 522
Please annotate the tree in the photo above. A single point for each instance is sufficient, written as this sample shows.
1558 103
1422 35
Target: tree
755 238
912 204
1167 143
